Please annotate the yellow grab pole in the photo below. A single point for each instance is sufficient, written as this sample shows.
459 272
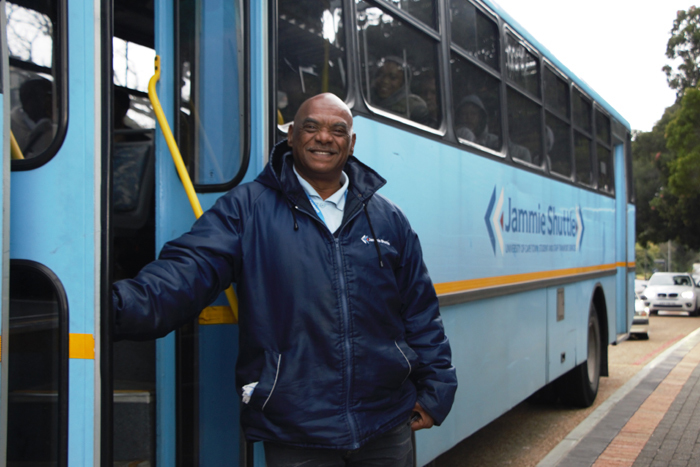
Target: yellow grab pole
180 166
15 151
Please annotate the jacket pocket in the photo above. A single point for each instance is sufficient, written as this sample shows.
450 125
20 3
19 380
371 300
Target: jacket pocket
267 383
407 357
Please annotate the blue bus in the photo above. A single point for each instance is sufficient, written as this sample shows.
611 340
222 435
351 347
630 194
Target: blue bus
515 174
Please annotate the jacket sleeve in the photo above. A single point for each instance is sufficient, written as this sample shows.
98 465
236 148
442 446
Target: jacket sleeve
189 274
435 378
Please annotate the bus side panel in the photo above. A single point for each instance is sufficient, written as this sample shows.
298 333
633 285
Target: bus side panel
631 275
480 218
499 350
622 322
54 220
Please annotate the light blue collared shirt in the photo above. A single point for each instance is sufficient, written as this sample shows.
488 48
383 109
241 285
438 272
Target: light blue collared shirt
331 209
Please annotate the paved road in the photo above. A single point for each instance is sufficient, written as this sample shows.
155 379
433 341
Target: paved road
523 436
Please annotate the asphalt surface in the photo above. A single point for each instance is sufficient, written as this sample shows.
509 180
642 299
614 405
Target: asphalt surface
526 434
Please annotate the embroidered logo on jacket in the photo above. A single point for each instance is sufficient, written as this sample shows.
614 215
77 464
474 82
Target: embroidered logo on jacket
367 239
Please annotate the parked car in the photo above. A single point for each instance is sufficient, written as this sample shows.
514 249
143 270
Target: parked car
640 285
640 324
671 291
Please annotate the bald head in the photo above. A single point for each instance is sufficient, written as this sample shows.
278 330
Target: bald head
325 102
321 138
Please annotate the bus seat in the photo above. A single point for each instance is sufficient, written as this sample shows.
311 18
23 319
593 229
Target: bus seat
133 165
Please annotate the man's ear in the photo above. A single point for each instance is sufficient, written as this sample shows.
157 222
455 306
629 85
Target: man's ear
290 134
352 144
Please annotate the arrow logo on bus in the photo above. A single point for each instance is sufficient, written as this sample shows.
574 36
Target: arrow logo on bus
495 220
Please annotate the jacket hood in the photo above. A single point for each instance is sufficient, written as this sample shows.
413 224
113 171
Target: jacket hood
279 175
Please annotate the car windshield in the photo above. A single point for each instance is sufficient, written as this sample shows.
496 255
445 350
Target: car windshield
668 279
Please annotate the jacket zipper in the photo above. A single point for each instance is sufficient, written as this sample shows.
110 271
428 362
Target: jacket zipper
346 323
346 315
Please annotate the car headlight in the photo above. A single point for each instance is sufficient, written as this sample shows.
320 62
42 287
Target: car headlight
687 294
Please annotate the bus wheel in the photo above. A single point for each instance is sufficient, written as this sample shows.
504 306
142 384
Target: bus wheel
580 385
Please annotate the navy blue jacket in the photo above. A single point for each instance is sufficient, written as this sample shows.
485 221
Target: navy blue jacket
343 337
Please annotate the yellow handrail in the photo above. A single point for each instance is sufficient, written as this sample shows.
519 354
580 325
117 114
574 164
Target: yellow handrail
180 166
15 151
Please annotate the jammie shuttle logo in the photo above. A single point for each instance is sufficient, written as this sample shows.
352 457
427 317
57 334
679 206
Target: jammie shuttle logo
506 216
367 239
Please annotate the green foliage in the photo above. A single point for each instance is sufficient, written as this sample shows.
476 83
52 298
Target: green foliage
650 159
684 45
683 139
666 160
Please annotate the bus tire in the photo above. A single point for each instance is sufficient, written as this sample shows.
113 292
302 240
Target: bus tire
580 385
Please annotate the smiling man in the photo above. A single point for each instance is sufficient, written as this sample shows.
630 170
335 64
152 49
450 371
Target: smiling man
342 349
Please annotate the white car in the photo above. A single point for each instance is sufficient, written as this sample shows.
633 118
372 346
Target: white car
640 324
640 285
671 291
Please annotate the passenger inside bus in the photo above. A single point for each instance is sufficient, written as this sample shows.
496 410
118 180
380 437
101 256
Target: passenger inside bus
471 123
31 121
391 90
427 89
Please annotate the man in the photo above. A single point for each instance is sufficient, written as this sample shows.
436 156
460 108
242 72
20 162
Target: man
341 339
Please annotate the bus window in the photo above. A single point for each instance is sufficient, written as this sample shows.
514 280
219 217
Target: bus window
391 68
524 114
212 115
311 54
583 149
606 177
557 126
37 96
424 10
522 67
474 32
37 416
133 68
477 104
524 128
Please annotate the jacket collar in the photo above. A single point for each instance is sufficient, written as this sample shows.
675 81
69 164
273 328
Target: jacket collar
278 174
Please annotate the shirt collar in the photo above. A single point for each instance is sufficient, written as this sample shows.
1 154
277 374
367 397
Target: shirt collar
337 198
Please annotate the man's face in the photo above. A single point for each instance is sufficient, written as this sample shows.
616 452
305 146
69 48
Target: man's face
389 79
470 116
321 138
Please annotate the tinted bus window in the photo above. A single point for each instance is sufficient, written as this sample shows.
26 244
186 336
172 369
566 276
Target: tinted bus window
582 150
524 128
557 128
311 54
423 10
395 58
212 117
582 112
606 177
474 32
558 140
36 95
522 67
556 94
477 104
37 418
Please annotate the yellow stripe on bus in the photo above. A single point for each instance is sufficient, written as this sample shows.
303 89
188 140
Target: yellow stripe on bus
487 282
81 346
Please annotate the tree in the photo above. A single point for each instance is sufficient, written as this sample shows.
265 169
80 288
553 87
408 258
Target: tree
683 139
650 157
684 44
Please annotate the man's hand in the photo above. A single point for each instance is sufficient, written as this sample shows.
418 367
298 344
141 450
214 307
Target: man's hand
425 420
